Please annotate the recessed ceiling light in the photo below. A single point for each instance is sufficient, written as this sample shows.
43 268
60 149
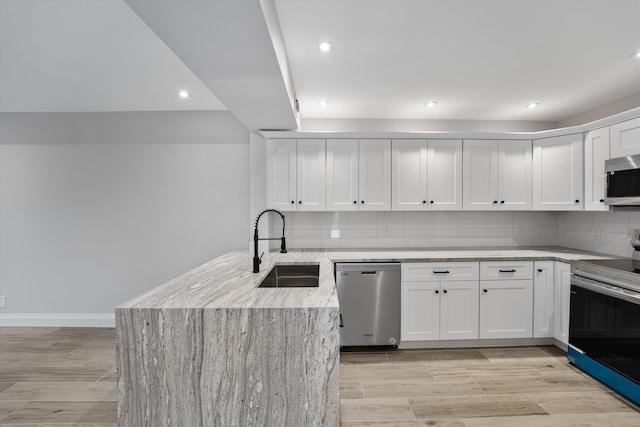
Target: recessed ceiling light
533 105
323 103
325 46
430 104
183 94
636 54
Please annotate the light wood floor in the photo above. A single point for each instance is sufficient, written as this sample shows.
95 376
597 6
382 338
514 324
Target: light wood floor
66 377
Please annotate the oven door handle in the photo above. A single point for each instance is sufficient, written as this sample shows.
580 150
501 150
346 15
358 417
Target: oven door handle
605 289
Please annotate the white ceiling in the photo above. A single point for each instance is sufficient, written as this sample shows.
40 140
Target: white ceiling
480 60
89 55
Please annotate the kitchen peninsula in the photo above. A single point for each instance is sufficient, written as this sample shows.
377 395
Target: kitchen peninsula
212 348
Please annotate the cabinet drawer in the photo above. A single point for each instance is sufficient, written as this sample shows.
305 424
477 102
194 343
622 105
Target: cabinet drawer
506 270
439 271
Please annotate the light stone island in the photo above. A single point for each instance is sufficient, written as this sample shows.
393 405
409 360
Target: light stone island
209 348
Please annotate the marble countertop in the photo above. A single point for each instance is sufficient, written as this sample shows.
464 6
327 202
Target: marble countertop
227 282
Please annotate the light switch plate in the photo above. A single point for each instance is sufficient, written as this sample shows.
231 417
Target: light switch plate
3 302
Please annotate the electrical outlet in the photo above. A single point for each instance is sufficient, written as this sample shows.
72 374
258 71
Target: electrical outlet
596 234
387 231
3 302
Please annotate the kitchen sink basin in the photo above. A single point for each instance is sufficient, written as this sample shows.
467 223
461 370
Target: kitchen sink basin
292 276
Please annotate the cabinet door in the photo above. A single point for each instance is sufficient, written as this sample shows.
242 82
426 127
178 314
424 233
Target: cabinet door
543 277
420 311
596 151
311 170
514 175
562 294
444 174
342 174
625 138
480 177
459 310
374 181
506 309
557 173
281 174
408 174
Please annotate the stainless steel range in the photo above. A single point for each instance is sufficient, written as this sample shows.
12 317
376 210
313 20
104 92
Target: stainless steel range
604 322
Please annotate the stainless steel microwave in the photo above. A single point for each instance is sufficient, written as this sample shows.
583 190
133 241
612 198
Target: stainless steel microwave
622 187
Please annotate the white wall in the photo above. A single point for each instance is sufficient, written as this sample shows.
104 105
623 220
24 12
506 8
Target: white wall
606 232
419 229
97 208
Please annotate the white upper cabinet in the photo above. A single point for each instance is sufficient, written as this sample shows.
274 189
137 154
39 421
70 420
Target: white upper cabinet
497 175
311 169
409 179
596 151
514 175
374 175
625 138
480 177
296 174
281 174
427 175
342 174
557 173
444 174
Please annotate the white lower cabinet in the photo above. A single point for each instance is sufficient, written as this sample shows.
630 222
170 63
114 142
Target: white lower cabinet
442 309
543 279
420 311
485 300
562 294
506 304
506 309
459 310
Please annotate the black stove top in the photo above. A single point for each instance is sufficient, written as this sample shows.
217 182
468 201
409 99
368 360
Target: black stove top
625 264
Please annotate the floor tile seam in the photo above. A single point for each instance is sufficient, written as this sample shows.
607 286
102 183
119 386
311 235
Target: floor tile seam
604 421
26 402
412 380
479 386
413 412
434 396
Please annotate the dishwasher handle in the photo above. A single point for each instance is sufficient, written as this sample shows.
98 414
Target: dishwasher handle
368 272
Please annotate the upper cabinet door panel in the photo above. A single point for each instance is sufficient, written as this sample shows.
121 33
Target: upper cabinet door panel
408 174
342 174
557 173
375 175
514 175
311 174
480 177
281 174
596 151
444 174
625 138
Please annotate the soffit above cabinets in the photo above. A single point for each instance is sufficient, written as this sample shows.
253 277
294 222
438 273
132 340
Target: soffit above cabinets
481 60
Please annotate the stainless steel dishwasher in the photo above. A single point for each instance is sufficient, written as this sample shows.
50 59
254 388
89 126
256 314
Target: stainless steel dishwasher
369 296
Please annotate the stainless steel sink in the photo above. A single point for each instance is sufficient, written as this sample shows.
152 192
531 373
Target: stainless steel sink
292 276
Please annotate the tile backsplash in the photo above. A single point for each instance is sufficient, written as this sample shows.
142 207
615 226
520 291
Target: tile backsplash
607 232
417 229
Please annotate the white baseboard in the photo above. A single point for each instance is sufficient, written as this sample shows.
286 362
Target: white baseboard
86 320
